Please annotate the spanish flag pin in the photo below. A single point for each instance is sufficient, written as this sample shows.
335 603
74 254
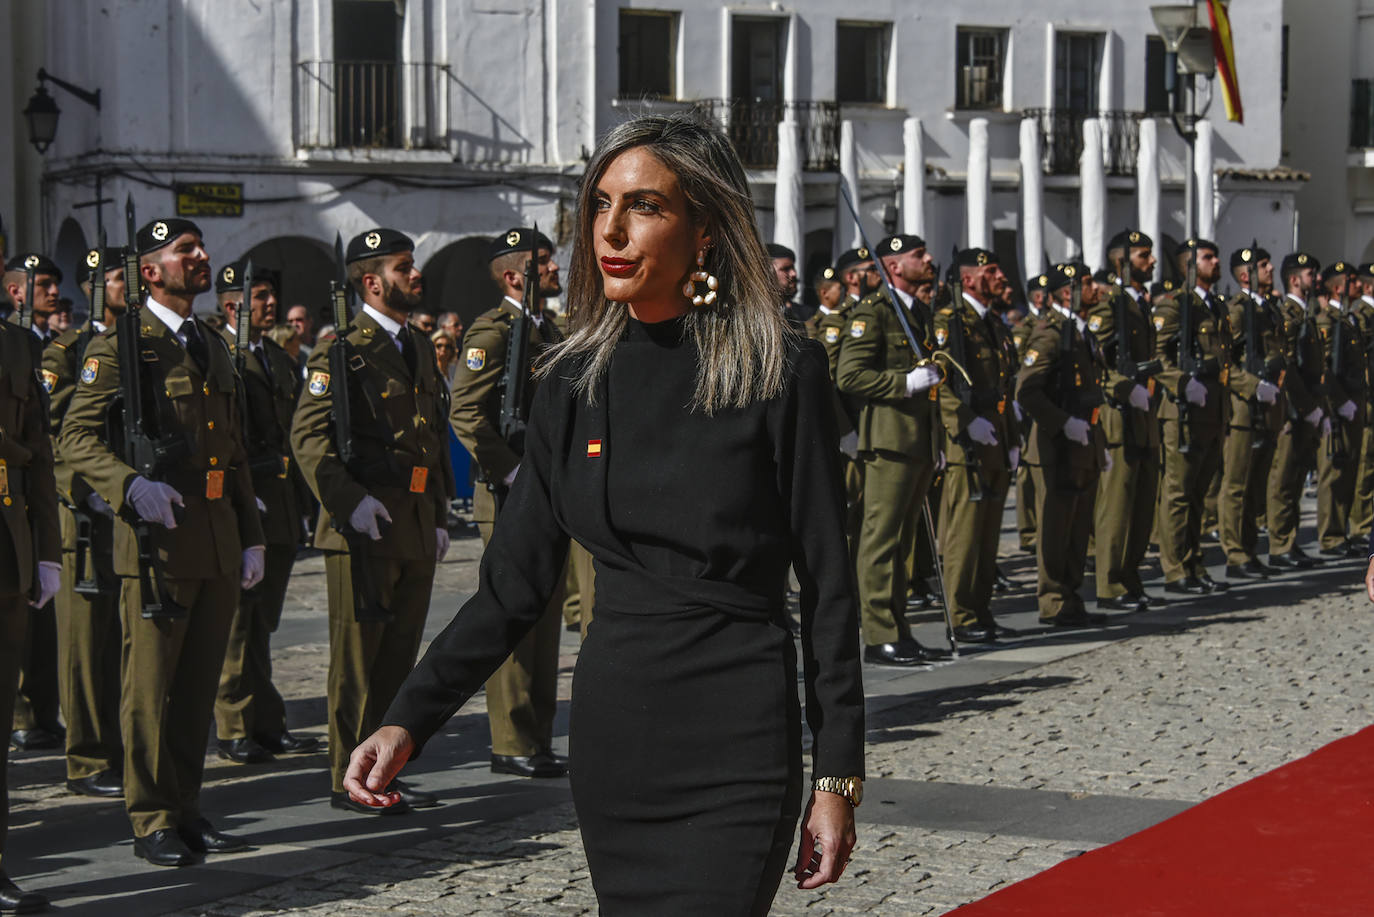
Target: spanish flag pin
593 448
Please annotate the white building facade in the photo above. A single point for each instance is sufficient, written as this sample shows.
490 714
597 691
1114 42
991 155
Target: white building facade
1034 129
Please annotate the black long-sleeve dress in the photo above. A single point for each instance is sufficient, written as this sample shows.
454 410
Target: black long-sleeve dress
685 736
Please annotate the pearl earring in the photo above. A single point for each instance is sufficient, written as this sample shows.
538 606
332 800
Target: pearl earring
701 275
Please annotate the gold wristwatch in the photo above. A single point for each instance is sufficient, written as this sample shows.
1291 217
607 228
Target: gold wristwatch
851 788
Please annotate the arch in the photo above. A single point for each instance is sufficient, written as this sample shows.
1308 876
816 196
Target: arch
457 280
69 251
307 267
818 243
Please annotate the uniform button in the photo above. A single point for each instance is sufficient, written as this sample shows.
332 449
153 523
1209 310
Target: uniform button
8 501
417 389
168 391
205 389
386 395
213 461
210 425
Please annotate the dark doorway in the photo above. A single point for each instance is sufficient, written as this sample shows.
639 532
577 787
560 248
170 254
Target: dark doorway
306 266
458 279
366 77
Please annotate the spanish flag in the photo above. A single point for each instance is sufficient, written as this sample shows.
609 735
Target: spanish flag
1224 49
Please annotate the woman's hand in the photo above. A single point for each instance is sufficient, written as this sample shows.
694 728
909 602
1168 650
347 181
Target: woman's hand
827 839
375 763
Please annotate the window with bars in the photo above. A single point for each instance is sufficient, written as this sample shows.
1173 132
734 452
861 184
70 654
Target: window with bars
861 51
979 59
648 52
1077 63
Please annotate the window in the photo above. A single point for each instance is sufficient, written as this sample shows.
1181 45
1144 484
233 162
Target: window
861 61
1077 62
1156 97
648 42
978 65
366 77
756 56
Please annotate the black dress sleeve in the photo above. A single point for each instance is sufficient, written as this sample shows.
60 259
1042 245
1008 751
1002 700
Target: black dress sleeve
521 567
809 478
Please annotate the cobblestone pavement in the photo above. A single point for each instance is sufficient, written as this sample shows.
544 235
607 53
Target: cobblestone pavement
982 772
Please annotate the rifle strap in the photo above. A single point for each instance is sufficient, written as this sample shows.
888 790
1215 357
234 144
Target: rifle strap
367 387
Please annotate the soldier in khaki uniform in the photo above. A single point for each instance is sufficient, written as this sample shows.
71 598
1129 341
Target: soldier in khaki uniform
829 325
1362 298
831 295
980 443
522 695
30 560
897 448
1347 391
1036 291
394 493
205 553
1295 452
1257 411
1195 412
1060 386
250 715
1127 490
88 643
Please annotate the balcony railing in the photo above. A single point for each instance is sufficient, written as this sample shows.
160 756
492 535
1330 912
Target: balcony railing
1361 114
753 128
1061 139
372 105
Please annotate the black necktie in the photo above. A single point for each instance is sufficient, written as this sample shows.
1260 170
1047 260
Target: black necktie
407 342
261 354
195 345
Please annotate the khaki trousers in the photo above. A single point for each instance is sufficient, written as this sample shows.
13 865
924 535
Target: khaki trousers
248 705
1244 489
1294 454
1187 479
1123 518
89 638
894 487
968 541
1066 522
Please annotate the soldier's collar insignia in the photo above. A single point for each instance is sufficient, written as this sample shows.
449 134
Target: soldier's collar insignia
159 231
319 383
372 240
476 358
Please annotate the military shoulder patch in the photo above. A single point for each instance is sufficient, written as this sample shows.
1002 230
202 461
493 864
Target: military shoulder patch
1159 323
941 335
1031 357
89 370
857 328
476 358
49 380
832 335
1095 323
319 384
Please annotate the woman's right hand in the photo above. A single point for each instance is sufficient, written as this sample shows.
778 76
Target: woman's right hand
375 763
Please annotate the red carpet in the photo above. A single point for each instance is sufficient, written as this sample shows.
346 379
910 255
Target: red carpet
1297 840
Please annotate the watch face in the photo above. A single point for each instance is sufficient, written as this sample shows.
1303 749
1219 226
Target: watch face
856 791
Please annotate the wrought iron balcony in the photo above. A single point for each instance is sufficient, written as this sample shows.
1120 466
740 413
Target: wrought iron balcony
372 105
752 126
1061 139
1361 114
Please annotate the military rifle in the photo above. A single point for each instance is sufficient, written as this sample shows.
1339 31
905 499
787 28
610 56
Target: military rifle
977 479
1187 352
1255 363
142 447
242 318
515 374
367 601
87 580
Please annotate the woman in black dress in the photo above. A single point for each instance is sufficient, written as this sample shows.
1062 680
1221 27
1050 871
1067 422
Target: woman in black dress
683 435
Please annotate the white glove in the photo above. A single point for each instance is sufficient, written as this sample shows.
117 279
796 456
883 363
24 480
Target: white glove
1016 409
1326 426
921 378
1140 398
1267 392
254 564
262 507
1014 457
1076 429
153 501
849 444
441 543
1195 392
509 479
1315 418
1347 411
97 504
982 431
940 461
365 516
49 579
1106 460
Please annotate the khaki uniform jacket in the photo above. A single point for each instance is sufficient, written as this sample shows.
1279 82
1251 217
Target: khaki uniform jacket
874 359
271 404
990 359
1302 349
399 451
1363 313
1347 384
476 411
1051 393
61 363
29 504
1213 343
829 328
201 408
1269 325
1139 339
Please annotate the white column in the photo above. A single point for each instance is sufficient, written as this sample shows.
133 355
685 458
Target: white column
914 178
1092 178
979 184
1206 183
788 200
1032 200
1147 188
847 231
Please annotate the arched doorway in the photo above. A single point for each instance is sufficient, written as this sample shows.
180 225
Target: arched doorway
457 279
69 251
307 267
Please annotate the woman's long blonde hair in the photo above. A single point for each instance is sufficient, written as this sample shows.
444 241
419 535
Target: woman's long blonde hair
742 338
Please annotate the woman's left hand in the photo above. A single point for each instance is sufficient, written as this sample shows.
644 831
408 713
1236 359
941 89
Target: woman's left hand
827 839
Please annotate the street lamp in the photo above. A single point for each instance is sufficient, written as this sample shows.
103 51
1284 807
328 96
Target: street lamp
42 110
1187 51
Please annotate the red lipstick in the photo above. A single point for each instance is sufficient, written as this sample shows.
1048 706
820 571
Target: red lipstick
618 267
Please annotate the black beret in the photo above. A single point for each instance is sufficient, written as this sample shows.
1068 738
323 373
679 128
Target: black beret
1337 269
1297 261
1038 282
229 279
1243 256
1189 244
377 242
780 251
1064 274
827 275
1105 275
518 239
161 233
1131 238
41 264
975 257
112 260
850 258
902 242
1365 270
